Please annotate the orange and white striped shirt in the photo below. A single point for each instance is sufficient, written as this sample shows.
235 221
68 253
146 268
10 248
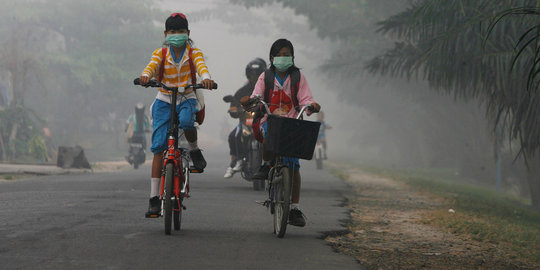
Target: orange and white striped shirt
176 75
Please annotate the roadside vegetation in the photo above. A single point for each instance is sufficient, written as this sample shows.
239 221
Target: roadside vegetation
477 213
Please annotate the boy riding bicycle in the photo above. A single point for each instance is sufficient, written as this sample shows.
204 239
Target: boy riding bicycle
178 59
288 92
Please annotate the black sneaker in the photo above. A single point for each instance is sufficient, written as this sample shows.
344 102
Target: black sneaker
296 218
154 207
262 174
198 159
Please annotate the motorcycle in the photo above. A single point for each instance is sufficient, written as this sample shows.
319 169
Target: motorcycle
253 157
137 154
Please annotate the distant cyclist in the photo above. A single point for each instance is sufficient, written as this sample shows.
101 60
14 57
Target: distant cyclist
322 132
238 149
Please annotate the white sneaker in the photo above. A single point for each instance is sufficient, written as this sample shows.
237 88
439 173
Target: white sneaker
238 166
229 173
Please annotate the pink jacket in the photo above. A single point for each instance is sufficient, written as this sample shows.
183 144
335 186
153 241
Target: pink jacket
304 94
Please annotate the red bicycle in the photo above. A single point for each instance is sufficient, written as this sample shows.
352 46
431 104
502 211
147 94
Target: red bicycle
176 168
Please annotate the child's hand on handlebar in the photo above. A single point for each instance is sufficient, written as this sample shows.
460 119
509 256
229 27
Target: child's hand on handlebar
208 84
144 80
245 101
316 108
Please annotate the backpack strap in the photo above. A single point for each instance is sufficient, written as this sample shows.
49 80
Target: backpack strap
192 67
164 51
268 84
295 86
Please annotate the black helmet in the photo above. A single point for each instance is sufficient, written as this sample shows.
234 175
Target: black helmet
255 67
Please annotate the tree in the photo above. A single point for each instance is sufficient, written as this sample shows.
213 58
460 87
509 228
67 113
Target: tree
81 57
412 126
447 44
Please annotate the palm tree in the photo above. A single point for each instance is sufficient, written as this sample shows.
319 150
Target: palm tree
468 48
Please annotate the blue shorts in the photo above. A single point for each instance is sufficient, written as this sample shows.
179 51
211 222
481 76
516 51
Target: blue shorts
291 162
161 120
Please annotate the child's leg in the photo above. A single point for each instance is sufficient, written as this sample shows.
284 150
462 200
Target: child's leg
157 165
297 180
186 117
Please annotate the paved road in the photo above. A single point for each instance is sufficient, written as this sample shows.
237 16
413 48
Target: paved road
96 221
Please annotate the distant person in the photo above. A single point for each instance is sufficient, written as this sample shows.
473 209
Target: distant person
238 150
177 72
4 95
137 124
283 103
322 132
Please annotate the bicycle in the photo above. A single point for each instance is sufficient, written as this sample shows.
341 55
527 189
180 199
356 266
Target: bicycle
176 169
281 140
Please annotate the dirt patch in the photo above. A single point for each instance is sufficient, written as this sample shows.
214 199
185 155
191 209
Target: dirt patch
110 166
386 231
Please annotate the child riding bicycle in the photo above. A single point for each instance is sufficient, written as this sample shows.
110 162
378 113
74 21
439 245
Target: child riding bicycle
174 65
285 90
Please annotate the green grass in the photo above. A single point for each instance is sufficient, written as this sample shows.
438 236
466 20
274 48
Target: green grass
481 213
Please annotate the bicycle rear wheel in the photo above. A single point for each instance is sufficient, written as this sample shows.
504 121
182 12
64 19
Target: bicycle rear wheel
168 196
282 200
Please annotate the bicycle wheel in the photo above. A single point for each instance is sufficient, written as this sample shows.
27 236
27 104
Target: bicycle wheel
177 211
168 196
282 200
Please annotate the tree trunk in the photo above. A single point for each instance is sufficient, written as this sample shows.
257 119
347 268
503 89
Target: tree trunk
11 141
2 149
533 178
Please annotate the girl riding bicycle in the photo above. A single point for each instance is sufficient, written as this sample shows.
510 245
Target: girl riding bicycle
180 58
285 96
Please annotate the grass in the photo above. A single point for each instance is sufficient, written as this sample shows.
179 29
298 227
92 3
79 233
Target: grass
481 214
11 177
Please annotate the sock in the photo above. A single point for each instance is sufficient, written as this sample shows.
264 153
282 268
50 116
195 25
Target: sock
294 206
193 145
154 187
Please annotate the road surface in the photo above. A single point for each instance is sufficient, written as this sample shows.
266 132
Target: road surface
96 221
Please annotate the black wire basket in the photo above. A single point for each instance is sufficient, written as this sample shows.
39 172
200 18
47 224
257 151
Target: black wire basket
289 137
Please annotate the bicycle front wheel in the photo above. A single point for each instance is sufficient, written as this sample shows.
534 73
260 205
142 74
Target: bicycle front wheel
282 200
168 196
177 214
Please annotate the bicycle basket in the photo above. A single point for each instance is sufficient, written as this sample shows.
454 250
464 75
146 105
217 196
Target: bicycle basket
289 137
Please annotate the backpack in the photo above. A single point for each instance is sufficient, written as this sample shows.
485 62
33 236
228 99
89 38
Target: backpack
269 76
199 116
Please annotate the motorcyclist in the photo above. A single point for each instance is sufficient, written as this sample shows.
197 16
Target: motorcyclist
237 148
136 125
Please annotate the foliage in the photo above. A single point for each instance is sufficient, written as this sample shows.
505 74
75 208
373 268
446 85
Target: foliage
27 125
73 61
445 44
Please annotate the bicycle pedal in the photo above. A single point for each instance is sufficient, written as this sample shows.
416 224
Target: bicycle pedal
192 169
151 216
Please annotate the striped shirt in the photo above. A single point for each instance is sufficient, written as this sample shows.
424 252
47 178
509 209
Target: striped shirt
176 75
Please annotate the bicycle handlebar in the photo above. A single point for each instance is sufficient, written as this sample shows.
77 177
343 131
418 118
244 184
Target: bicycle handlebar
259 99
155 83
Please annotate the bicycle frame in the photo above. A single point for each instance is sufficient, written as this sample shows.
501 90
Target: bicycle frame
173 154
280 183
